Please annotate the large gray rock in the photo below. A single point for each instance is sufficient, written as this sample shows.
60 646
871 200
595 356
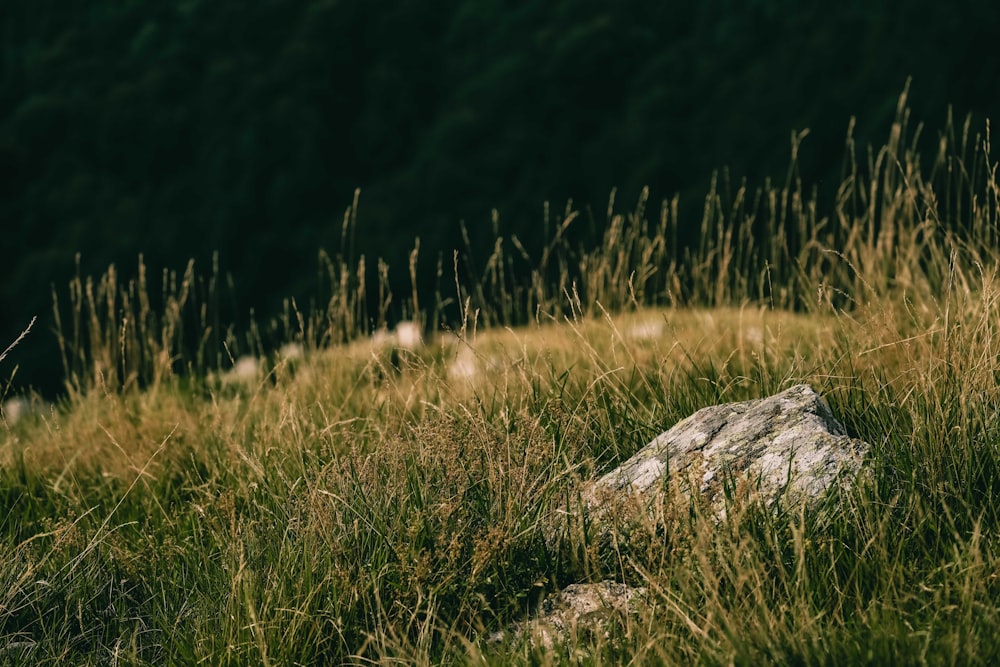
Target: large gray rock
785 447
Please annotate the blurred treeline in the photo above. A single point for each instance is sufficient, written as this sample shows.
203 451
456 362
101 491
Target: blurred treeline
176 128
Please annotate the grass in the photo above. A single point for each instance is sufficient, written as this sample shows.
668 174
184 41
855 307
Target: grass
377 505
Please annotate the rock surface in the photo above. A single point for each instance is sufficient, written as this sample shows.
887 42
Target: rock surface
785 447
578 609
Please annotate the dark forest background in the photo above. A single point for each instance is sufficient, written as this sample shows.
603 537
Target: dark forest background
177 128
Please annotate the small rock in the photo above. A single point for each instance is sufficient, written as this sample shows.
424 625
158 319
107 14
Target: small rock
406 336
291 351
788 446
647 330
17 408
464 366
244 371
17 649
409 335
577 608
754 335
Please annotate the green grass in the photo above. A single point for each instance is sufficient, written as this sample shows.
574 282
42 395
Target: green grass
366 505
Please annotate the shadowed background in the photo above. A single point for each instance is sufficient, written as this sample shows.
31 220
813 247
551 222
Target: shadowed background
177 129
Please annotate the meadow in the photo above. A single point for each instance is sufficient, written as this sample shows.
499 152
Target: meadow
360 499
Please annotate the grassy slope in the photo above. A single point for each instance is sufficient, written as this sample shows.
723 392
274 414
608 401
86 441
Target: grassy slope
360 504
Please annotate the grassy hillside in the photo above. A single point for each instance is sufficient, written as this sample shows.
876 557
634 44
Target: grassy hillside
353 500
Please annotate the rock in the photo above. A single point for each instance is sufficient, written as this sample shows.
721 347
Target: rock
246 370
17 408
406 336
409 335
646 330
576 609
17 650
291 351
464 366
785 447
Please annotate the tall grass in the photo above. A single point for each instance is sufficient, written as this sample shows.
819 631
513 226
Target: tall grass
361 507
896 222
